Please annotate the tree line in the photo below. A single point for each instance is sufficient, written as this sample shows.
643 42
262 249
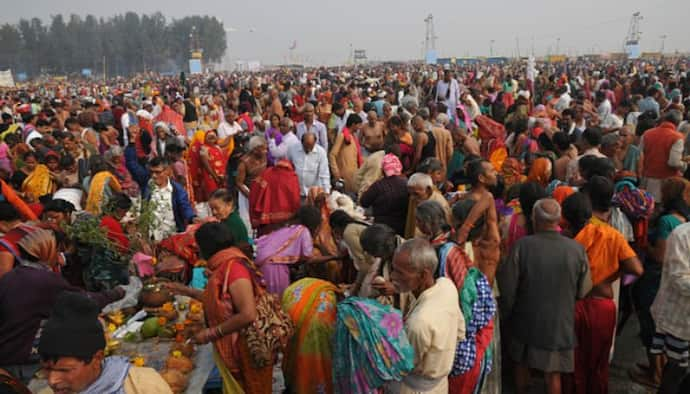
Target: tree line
125 44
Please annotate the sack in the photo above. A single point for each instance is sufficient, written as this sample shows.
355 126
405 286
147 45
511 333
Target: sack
270 332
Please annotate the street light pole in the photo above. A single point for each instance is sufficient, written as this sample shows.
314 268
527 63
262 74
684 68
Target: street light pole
558 44
491 48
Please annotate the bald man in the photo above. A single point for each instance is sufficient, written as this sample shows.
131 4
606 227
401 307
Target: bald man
372 133
540 282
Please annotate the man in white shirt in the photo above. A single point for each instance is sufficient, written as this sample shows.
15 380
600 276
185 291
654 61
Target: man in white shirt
311 164
564 100
310 124
280 151
434 322
173 211
604 109
229 127
448 92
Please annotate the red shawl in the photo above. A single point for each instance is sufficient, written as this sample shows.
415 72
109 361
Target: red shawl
172 118
274 195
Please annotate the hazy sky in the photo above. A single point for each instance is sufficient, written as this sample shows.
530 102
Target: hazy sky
394 30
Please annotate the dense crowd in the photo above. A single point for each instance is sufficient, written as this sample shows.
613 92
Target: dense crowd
400 228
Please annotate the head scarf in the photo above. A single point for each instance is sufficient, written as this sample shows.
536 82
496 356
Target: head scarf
391 165
512 172
553 185
540 171
41 244
562 192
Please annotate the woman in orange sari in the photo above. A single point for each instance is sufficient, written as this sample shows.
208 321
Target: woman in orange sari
229 307
208 165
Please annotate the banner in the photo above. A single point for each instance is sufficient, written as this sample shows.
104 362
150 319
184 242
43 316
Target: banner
6 80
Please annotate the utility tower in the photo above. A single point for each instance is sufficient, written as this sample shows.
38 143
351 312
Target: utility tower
634 33
430 38
631 45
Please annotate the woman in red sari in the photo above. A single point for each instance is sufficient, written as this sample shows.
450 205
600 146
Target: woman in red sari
208 166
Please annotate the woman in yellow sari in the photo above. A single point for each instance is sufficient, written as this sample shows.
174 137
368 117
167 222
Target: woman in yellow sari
39 182
102 184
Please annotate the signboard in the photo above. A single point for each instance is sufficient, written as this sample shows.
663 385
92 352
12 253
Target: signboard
431 57
195 66
86 72
633 50
6 80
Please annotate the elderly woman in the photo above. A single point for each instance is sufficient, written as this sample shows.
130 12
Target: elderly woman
388 197
421 188
229 307
346 155
251 165
162 138
222 206
23 311
115 158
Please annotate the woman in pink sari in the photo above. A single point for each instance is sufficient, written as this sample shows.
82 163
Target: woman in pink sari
276 251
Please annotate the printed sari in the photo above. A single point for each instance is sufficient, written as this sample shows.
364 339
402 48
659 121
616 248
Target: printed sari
307 366
473 355
371 346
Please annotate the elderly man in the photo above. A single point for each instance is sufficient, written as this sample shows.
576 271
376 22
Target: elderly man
280 151
662 153
311 164
310 124
421 188
72 347
434 323
540 282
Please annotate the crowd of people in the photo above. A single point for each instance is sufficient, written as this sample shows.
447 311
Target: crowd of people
422 229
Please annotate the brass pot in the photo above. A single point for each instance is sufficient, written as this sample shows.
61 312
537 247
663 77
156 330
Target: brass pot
153 295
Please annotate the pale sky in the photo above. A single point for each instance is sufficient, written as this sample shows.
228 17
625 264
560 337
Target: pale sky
394 30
